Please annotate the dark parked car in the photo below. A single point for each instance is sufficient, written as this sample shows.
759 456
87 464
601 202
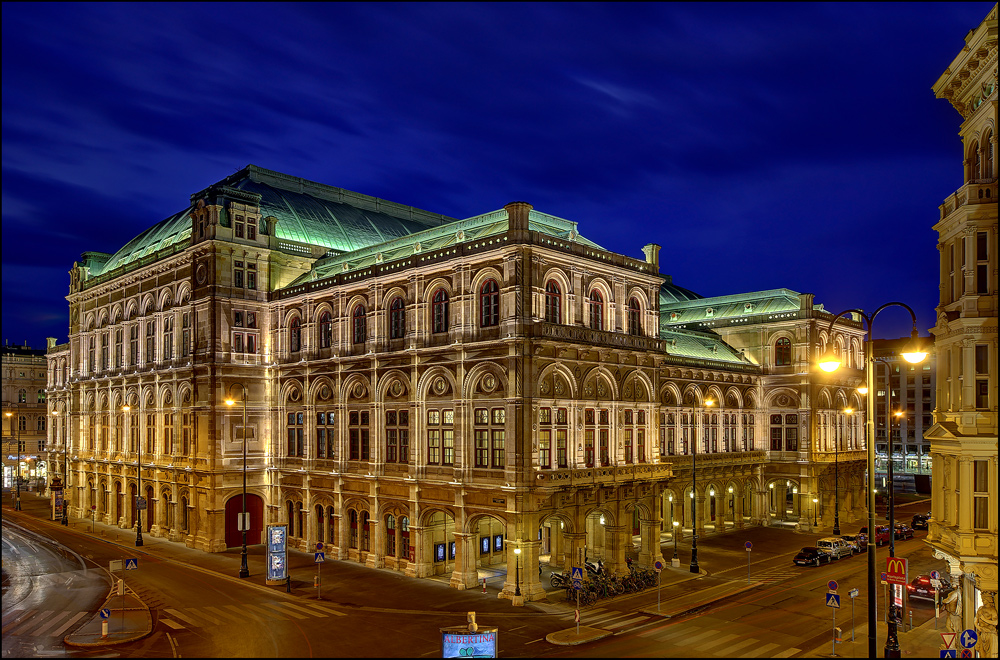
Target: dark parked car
881 534
920 521
812 556
904 531
921 587
859 542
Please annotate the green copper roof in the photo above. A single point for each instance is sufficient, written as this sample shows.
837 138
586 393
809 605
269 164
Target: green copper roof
173 231
690 313
699 345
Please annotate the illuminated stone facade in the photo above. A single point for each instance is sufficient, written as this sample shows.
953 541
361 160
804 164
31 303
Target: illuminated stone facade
963 527
425 394
24 385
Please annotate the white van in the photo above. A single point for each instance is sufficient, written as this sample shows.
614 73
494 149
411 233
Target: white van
835 547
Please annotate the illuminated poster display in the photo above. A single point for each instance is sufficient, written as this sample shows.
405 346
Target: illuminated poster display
458 642
484 545
277 540
439 552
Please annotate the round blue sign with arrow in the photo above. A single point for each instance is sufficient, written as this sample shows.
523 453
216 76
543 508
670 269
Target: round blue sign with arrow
968 638
105 613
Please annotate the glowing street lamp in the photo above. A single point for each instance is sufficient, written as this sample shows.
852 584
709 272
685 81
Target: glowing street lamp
17 466
244 521
517 572
913 353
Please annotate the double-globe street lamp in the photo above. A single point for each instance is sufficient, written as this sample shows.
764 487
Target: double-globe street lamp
912 353
138 473
17 466
244 519
694 487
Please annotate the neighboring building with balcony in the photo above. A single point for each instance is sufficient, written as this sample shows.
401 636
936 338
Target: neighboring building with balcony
963 526
912 388
426 393
24 397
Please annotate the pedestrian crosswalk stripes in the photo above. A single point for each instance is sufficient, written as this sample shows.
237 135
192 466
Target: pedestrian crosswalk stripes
760 651
40 623
198 617
714 642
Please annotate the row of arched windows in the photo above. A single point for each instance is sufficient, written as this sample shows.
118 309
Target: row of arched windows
980 163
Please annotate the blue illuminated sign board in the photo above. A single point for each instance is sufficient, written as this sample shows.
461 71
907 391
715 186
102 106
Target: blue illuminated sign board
277 551
458 642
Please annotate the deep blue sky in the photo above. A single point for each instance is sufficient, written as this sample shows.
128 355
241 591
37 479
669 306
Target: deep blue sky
762 145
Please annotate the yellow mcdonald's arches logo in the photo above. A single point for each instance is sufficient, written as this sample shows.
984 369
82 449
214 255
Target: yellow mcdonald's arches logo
895 565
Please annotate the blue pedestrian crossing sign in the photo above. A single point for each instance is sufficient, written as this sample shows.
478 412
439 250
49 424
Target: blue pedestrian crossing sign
576 573
105 613
320 557
833 600
949 653
131 563
968 638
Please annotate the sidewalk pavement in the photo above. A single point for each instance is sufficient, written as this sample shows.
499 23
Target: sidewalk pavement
128 620
923 641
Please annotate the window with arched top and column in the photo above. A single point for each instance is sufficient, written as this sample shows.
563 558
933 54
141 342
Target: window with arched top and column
295 335
489 304
553 302
325 330
782 352
595 309
439 311
397 318
359 326
634 317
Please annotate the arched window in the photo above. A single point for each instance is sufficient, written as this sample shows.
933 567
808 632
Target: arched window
782 352
397 319
489 304
365 533
390 535
988 160
359 325
553 297
439 311
974 160
325 330
295 335
353 516
634 317
596 308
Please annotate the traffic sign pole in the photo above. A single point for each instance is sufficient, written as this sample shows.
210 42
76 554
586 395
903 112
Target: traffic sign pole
748 545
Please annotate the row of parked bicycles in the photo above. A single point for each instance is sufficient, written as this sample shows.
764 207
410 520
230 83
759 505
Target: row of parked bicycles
601 584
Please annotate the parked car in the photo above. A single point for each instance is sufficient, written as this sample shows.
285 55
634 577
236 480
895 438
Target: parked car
920 521
903 531
858 543
811 556
921 587
881 534
836 547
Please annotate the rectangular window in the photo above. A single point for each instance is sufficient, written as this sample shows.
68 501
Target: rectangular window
588 447
168 434
433 446
561 457
482 450
358 438
448 446
397 436
545 449
150 433
295 433
982 359
251 276
628 445
238 227
324 434
981 494
498 449
640 443
982 393
187 433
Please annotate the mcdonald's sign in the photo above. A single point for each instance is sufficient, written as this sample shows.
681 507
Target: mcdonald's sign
895 570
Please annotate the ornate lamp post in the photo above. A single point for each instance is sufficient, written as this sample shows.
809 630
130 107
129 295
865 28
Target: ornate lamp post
65 474
676 529
138 474
244 520
913 353
517 572
17 466
815 502
694 487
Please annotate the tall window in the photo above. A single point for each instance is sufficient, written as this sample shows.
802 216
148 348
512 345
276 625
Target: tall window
668 434
295 433
325 330
295 335
627 436
441 437
553 298
119 348
133 344
168 336
981 494
785 432
91 354
397 319
489 304
439 311
595 308
168 434
749 421
150 433
553 430
604 435
239 274
357 435
360 327
982 263
185 334
324 434
782 352
187 433
634 317
489 438
244 331
105 359
397 436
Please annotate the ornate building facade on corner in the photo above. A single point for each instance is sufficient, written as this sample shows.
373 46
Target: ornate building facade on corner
963 526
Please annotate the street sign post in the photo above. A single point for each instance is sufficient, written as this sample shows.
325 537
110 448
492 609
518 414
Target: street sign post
853 593
833 601
948 638
748 545
657 566
895 570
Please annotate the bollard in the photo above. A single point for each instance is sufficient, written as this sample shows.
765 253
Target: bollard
484 585
288 584
911 619
104 628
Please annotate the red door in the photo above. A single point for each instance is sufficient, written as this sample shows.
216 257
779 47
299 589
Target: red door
234 506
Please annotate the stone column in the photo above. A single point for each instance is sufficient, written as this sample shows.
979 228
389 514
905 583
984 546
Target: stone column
700 513
575 542
986 625
649 541
531 586
465 575
376 545
423 560
616 540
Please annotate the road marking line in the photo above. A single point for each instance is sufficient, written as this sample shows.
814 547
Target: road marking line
716 642
695 638
199 611
299 608
265 615
182 617
51 622
220 612
173 624
786 653
746 642
294 615
622 624
323 608
11 616
13 623
758 651
64 627
24 626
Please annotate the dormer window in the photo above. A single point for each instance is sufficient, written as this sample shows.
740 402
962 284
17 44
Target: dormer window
747 308
674 316
709 312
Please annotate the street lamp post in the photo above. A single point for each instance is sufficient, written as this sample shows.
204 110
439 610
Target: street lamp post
676 529
65 517
138 474
517 572
244 522
815 502
17 466
912 353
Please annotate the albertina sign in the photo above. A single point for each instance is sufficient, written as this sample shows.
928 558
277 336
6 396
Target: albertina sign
458 642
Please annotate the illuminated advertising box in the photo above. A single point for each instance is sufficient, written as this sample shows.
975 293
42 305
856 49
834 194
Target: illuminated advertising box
458 642
277 564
